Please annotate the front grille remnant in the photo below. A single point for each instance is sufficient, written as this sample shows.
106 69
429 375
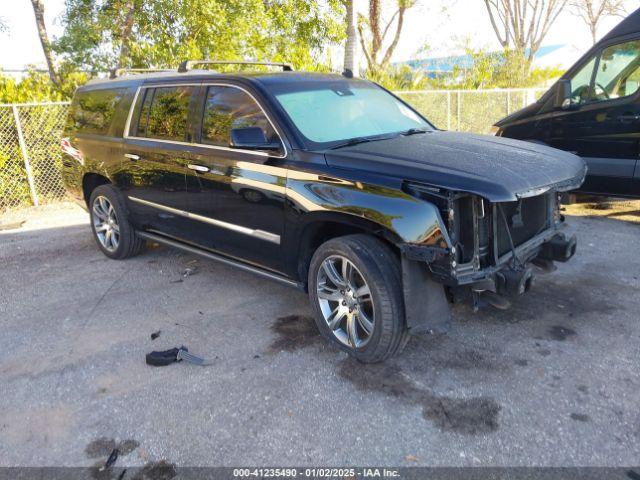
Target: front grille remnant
480 233
526 218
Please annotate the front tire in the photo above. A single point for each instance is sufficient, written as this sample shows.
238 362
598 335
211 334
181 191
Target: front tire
356 295
112 231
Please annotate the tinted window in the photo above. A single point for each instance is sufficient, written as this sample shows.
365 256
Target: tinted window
581 83
230 107
92 112
618 71
165 113
144 112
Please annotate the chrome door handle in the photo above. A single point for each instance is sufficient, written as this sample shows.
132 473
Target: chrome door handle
198 168
132 156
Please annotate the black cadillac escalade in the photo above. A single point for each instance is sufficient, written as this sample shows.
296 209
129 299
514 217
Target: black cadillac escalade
324 182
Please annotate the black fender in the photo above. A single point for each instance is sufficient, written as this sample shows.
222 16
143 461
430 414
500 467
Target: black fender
412 224
406 218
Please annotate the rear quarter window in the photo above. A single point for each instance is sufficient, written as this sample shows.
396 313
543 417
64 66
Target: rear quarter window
93 111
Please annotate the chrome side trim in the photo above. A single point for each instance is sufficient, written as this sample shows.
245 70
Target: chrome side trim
219 258
261 234
127 125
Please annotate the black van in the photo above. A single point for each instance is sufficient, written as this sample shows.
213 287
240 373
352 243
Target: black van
593 111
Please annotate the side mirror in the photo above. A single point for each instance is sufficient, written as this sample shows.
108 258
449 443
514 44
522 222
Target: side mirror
563 94
252 138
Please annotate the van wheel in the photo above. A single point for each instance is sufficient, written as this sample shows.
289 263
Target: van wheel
356 295
111 229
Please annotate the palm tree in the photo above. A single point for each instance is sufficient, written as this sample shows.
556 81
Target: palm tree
351 45
38 10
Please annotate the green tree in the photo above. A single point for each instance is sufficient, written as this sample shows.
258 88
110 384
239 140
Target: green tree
37 87
500 70
100 34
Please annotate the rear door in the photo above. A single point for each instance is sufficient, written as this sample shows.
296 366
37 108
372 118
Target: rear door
236 197
156 154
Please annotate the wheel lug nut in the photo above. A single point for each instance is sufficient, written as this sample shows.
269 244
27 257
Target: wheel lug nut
344 303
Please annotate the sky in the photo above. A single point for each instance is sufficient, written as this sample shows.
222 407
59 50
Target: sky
445 25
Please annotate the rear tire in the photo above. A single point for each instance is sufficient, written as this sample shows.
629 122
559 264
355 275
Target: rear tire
111 228
355 289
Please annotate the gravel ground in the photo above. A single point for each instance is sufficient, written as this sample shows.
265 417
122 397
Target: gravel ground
554 381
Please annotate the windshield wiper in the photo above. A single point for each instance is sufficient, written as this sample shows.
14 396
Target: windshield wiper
357 141
414 131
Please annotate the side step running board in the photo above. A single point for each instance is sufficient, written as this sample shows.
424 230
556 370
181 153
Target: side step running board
219 258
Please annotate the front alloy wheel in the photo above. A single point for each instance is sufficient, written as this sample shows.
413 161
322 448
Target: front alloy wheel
355 289
105 223
345 301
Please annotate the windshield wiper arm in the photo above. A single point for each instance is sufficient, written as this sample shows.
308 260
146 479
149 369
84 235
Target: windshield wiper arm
414 131
357 141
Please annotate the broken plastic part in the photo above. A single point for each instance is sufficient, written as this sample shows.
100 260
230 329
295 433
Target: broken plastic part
111 460
167 357
164 358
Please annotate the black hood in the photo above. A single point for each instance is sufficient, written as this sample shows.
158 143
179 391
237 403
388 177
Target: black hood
495 168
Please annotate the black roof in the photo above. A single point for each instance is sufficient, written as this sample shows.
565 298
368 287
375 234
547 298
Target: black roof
265 78
631 24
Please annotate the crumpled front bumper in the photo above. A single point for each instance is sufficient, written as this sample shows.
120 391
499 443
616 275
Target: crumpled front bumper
510 277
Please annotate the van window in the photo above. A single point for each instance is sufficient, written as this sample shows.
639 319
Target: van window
92 111
165 113
618 71
581 83
227 108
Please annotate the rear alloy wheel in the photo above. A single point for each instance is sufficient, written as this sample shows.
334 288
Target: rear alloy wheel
355 289
105 224
114 234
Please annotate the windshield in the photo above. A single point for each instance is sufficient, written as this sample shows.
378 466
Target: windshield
330 112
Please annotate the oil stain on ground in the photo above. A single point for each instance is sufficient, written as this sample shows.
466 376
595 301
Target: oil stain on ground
294 332
465 359
102 447
161 470
551 296
469 416
560 333
579 417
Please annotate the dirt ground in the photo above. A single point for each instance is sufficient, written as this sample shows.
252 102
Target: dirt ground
554 381
615 208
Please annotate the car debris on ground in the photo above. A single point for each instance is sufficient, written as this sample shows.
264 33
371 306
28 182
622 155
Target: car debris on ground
167 357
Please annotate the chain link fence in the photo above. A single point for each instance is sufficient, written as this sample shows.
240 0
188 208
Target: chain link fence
469 110
30 155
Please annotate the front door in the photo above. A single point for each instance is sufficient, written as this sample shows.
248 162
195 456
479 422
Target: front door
156 153
236 196
603 123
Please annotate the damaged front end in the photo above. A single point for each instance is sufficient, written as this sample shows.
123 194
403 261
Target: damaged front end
495 248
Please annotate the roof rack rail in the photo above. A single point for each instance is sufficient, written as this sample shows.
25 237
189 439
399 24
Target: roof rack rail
189 64
118 72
